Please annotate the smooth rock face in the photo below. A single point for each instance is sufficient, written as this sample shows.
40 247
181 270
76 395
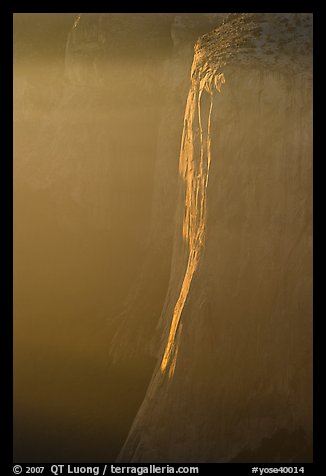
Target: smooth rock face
102 172
136 332
241 389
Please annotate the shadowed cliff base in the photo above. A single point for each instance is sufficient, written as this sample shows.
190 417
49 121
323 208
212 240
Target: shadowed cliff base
278 447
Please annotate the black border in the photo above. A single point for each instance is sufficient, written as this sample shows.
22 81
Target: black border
6 333
6 190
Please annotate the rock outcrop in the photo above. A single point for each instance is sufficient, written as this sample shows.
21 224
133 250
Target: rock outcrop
233 381
163 241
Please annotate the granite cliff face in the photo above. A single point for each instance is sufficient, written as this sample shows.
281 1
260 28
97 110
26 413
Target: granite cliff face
164 228
236 325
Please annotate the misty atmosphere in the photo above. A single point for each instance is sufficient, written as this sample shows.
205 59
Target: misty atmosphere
162 237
